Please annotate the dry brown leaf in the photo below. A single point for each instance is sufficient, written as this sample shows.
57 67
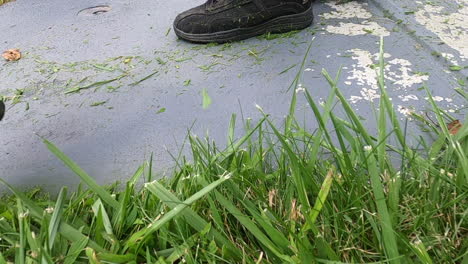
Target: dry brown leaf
12 55
272 198
295 211
454 126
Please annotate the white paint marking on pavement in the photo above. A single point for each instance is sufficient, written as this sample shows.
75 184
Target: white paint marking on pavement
353 29
346 11
350 10
398 72
450 27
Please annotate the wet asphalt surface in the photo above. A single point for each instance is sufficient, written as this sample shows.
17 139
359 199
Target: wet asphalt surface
111 88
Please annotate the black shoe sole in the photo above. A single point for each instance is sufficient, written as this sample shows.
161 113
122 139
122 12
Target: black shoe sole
277 25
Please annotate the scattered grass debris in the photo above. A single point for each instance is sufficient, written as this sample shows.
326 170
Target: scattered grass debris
95 84
456 67
98 103
206 99
144 78
187 82
287 69
161 110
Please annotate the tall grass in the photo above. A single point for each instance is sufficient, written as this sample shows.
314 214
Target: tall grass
272 196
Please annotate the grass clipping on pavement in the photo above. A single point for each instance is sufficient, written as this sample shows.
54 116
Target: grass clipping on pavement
272 196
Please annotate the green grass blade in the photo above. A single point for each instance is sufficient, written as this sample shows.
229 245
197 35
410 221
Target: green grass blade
455 144
56 216
115 258
233 147
101 192
232 127
421 252
296 169
388 233
137 175
382 120
34 242
75 250
320 120
92 256
276 236
100 212
192 218
73 234
121 215
342 134
327 111
322 197
20 256
66 230
390 110
153 227
251 226
181 250
2 259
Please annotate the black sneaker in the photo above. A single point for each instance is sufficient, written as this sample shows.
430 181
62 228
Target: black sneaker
232 20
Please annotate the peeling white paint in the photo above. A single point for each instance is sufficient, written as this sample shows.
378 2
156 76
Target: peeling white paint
321 102
350 10
361 72
450 58
346 11
406 98
450 27
364 73
403 77
300 88
353 29
354 99
369 94
442 99
377 56
405 110
353 19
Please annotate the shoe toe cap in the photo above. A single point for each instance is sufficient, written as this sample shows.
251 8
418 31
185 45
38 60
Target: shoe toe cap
191 23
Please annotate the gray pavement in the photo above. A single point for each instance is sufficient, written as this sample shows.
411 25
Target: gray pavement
111 88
